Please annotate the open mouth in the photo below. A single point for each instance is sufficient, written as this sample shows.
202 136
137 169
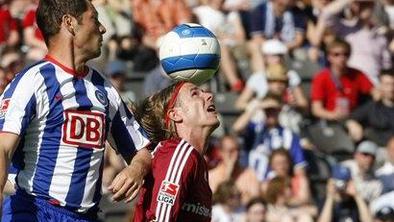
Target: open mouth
211 109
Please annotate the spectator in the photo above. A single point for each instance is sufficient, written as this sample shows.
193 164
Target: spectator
229 168
212 16
343 201
158 17
281 166
227 203
362 171
263 136
117 71
8 26
32 35
258 85
375 120
275 19
337 88
359 29
386 172
256 210
279 209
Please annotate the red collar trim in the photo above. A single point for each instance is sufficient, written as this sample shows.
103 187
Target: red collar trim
65 68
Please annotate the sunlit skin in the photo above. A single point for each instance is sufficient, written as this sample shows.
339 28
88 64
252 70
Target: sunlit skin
89 34
256 213
280 164
194 115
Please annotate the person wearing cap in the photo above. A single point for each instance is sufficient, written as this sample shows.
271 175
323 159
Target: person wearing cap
117 70
276 19
336 89
386 214
260 83
262 132
362 172
343 201
367 38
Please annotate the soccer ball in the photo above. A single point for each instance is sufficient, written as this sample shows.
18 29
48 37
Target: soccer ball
190 52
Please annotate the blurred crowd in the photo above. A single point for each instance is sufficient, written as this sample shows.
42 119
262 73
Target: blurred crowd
313 133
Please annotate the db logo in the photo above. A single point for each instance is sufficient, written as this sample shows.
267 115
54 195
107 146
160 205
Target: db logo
167 192
84 129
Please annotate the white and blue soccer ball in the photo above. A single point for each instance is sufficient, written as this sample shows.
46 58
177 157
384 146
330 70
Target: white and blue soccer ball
190 52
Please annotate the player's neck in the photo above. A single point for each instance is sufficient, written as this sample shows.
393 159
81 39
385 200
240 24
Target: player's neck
67 57
195 137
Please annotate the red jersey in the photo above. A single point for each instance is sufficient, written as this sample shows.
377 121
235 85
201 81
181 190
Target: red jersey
30 21
177 188
7 23
351 86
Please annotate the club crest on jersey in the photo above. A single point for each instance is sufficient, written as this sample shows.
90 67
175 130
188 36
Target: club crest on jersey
101 97
4 107
167 192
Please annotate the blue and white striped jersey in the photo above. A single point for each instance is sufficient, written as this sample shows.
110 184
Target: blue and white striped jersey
265 140
63 120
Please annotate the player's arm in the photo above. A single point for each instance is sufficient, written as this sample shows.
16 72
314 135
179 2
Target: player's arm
8 144
129 139
129 181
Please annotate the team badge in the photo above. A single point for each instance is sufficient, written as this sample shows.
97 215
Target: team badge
168 192
4 107
101 97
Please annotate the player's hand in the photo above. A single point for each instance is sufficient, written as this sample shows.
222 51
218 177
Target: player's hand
126 184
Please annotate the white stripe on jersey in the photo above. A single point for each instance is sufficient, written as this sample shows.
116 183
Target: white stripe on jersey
31 149
173 175
169 170
61 180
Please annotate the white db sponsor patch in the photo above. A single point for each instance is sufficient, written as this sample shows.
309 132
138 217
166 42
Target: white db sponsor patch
167 192
4 107
84 129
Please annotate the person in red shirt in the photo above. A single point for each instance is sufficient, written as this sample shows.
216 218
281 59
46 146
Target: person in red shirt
180 118
33 37
8 27
336 90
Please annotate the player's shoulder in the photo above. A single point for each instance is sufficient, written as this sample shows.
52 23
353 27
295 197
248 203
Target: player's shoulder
176 148
31 71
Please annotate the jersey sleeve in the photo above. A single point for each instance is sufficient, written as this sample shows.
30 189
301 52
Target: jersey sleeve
296 152
18 103
174 189
125 134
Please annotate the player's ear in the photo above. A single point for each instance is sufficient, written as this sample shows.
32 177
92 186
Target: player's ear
174 114
69 23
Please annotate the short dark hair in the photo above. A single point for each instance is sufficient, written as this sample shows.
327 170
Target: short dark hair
338 42
50 12
386 72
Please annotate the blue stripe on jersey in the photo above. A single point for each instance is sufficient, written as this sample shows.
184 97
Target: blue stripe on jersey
122 138
82 161
99 82
30 112
49 146
83 101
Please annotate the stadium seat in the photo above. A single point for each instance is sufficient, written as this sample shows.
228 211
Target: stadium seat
331 139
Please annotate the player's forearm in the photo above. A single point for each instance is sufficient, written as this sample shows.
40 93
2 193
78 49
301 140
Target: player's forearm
142 161
4 162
